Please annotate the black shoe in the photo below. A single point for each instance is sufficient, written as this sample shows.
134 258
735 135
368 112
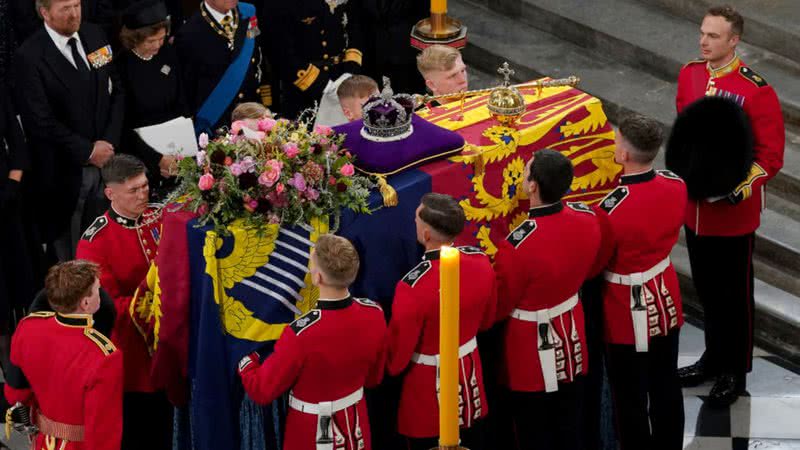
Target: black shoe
727 389
694 375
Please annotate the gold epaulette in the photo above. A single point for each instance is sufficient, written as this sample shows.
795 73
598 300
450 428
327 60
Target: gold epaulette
98 338
354 55
306 77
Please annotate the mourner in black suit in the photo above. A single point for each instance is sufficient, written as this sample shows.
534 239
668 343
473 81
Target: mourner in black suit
71 101
311 42
209 46
150 74
388 52
26 21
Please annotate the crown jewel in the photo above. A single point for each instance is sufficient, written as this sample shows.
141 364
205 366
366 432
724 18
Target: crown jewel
387 117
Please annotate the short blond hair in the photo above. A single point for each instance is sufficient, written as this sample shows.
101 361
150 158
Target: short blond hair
337 259
357 86
249 110
437 58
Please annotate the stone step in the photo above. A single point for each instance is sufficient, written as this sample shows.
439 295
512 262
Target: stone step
777 312
774 24
622 89
651 40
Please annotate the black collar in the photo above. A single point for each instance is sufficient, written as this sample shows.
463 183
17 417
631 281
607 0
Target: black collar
546 210
122 220
637 177
75 320
335 304
431 255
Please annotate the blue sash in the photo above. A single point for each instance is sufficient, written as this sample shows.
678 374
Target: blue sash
225 91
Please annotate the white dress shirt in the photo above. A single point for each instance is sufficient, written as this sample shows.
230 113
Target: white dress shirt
218 16
62 44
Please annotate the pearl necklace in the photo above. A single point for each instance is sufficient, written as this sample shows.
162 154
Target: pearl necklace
143 58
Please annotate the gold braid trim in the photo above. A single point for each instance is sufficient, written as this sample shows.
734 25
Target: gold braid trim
265 92
354 55
305 78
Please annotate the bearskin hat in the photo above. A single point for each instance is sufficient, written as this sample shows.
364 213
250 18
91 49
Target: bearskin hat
711 147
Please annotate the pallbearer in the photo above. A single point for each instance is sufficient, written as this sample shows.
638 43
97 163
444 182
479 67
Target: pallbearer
641 298
325 359
540 268
70 373
414 329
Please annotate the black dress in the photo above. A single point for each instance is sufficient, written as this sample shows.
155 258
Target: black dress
153 95
21 258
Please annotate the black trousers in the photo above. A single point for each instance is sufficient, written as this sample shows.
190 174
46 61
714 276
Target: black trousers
722 271
647 394
549 420
146 421
473 438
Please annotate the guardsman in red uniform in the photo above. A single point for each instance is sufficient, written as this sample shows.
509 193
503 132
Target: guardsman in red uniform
123 242
540 268
71 374
414 329
641 297
720 234
325 359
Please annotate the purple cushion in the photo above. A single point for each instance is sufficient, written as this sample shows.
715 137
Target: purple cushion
426 143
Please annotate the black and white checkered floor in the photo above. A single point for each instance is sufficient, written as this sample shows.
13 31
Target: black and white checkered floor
768 419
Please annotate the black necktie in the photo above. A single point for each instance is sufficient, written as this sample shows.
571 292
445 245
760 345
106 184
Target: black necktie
76 56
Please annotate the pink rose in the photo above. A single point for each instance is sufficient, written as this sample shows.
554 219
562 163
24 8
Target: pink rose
324 141
237 126
291 149
271 173
202 141
280 188
228 160
323 130
347 170
202 210
206 182
312 194
266 124
334 147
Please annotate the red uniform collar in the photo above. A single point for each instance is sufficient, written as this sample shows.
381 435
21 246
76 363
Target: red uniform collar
731 67
75 320
637 177
545 210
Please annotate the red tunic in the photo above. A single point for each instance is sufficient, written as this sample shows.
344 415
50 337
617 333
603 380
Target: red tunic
325 355
645 214
760 103
541 264
414 328
124 249
75 376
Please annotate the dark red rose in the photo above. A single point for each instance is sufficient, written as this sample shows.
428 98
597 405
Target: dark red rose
218 157
248 180
264 206
341 187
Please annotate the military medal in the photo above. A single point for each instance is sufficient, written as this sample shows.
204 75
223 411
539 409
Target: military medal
100 57
227 29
